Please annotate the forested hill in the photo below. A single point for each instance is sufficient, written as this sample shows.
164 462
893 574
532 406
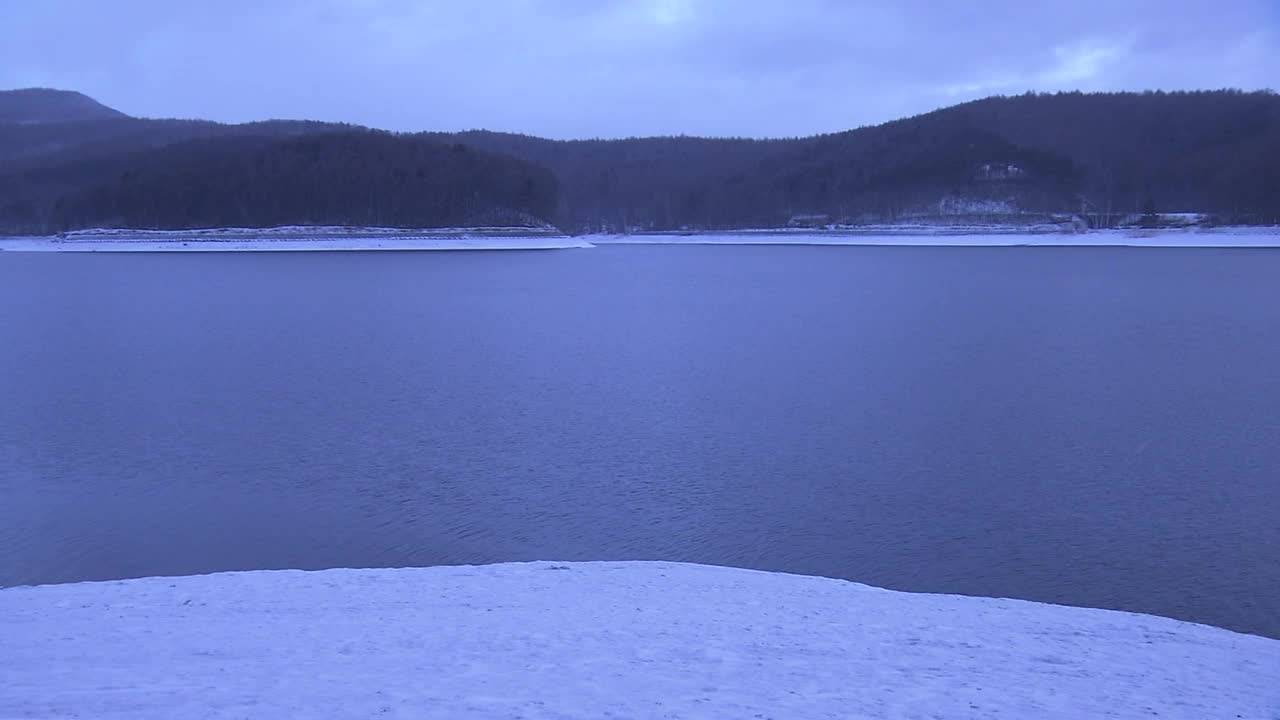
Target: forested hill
67 162
347 177
43 105
1100 154
91 166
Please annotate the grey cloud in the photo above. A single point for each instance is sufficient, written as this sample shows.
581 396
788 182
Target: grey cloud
620 67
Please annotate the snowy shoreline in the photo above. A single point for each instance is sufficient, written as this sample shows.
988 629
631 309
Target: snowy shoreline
912 236
635 639
290 243
293 239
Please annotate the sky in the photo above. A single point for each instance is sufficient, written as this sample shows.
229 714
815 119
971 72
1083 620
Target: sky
618 68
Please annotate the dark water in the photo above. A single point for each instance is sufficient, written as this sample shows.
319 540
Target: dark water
1084 426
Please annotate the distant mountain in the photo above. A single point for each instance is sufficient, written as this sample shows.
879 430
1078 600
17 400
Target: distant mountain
33 106
1102 156
41 164
341 177
106 169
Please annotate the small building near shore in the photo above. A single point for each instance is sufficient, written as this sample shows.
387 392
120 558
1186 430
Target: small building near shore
815 220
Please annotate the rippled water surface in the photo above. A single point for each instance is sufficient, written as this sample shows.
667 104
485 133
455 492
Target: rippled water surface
1083 426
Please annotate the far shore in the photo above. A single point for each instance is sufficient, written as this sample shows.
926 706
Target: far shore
339 238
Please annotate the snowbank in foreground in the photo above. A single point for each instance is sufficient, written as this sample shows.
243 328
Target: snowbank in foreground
635 640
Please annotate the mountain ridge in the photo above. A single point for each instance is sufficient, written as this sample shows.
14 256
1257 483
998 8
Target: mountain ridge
1102 156
38 105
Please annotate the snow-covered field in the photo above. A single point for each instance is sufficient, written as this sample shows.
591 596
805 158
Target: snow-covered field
596 640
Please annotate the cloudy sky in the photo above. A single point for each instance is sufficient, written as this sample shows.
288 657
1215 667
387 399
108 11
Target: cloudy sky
608 68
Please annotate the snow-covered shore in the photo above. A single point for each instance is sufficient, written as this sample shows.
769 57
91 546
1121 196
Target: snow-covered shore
592 640
165 241
365 239
1234 237
280 232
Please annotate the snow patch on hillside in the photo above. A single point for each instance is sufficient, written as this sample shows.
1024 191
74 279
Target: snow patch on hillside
587 640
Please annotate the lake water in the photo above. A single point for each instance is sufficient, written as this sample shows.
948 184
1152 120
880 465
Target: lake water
1093 427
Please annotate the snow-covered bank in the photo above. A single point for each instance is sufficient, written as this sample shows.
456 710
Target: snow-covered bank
301 232
289 243
962 237
339 238
589 640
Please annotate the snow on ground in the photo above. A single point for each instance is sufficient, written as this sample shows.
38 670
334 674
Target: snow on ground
303 231
339 238
963 237
596 640
319 242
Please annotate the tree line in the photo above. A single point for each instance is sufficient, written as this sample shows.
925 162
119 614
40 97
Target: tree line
1103 155
352 177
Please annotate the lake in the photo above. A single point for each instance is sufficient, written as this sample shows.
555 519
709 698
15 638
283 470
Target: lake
1086 426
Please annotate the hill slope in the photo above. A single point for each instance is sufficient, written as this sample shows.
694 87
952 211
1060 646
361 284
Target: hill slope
1118 153
110 170
340 177
30 106
1103 156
